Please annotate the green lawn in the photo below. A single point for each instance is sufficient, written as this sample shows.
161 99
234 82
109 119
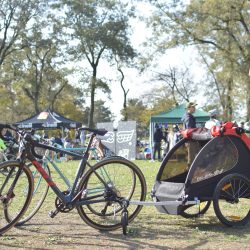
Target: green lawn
150 230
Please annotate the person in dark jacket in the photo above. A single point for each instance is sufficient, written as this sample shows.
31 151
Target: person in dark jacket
188 119
158 136
189 122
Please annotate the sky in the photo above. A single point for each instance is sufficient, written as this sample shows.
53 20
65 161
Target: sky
138 84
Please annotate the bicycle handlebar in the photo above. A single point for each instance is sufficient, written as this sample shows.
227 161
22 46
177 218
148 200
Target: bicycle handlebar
29 137
95 131
10 126
26 135
3 126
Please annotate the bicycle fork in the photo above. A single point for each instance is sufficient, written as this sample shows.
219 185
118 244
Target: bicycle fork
10 194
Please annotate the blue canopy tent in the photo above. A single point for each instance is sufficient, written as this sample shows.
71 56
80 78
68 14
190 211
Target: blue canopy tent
48 119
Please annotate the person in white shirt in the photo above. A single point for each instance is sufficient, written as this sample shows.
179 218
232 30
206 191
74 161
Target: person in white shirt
82 138
212 121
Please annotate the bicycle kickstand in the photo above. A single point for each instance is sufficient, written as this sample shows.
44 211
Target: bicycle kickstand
124 217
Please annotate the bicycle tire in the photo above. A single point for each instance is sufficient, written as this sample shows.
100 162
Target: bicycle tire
40 192
119 168
231 200
14 204
193 211
128 197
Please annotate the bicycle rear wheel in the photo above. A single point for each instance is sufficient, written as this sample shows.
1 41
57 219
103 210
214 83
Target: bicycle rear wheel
15 193
40 192
124 179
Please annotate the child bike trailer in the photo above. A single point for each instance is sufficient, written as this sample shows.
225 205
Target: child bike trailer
207 167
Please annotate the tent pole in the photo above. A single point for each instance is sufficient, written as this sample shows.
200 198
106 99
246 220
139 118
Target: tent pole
151 138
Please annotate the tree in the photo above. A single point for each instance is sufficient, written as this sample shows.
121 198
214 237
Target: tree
42 79
220 29
179 84
101 113
14 18
99 30
136 111
125 92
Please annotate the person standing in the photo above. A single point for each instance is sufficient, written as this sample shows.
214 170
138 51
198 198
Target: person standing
82 138
189 122
188 119
176 134
77 137
158 136
165 141
212 120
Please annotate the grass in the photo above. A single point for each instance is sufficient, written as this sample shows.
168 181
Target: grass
150 230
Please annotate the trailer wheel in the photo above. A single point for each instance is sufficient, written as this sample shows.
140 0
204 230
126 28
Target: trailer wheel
231 200
194 211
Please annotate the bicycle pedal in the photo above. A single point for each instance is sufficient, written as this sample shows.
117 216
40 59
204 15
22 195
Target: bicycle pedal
52 214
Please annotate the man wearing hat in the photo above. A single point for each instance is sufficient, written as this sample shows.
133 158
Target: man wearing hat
188 119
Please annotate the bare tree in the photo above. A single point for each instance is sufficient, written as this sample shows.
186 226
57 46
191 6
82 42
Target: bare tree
125 92
179 83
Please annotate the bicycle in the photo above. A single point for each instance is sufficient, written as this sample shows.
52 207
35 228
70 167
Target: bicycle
8 151
40 186
100 194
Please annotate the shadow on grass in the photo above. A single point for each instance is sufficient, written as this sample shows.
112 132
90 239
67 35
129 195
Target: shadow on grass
149 230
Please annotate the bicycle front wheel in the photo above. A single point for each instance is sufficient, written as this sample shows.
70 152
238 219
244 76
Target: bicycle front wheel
16 188
123 179
40 192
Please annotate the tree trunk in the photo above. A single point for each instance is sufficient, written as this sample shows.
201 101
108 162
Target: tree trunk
92 99
229 100
36 105
248 100
125 107
125 93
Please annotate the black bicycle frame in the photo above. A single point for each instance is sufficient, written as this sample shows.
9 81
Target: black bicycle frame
71 197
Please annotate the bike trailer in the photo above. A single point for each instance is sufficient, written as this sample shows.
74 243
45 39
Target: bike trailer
194 166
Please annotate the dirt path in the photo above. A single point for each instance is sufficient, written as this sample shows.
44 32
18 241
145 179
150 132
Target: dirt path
151 230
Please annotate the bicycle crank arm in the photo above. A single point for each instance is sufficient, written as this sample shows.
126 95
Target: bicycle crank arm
52 214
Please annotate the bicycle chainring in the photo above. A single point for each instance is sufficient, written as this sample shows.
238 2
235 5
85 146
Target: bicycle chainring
61 207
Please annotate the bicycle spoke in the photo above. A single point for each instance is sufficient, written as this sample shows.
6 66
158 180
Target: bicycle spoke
15 196
231 200
124 181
